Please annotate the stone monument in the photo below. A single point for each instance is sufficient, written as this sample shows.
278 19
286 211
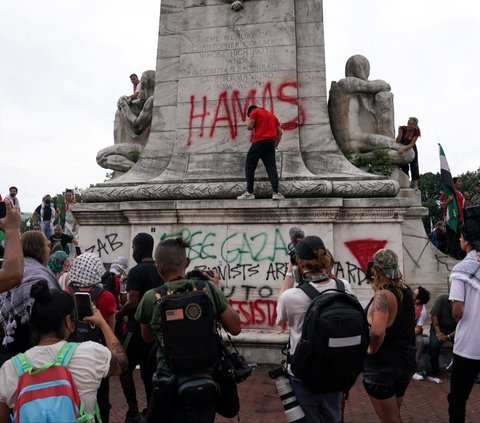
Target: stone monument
215 58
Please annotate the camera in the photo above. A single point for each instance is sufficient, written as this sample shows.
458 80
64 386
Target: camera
197 273
293 411
241 369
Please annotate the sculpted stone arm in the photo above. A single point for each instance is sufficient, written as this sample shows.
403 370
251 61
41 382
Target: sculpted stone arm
357 85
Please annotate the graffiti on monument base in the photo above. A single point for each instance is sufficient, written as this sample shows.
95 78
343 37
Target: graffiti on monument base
106 245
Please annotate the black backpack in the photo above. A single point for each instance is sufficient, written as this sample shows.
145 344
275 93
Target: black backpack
85 331
334 341
188 321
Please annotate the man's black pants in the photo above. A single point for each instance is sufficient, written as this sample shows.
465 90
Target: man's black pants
464 374
264 150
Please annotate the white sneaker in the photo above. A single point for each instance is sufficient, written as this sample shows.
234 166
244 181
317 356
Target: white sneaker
246 196
417 376
277 196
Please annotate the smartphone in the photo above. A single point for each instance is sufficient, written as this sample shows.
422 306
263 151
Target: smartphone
83 305
3 209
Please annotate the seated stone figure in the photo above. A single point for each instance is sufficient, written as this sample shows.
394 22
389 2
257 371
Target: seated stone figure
361 114
131 128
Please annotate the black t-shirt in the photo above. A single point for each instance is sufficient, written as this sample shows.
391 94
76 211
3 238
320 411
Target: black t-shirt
143 277
63 239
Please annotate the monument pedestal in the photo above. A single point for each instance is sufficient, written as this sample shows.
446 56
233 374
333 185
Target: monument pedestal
246 241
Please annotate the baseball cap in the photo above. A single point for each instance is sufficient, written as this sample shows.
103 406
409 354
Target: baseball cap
305 249
387 261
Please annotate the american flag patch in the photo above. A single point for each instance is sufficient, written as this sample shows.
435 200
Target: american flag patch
175 314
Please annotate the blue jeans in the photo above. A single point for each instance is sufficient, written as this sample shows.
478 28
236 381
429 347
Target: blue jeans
318 407
434 346
47 228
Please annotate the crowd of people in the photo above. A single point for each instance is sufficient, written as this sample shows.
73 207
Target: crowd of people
39 321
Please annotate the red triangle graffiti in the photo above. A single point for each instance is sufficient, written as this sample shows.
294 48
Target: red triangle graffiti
364 249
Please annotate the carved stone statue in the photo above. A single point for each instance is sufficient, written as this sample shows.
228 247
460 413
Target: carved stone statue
361 114
237 5
131 128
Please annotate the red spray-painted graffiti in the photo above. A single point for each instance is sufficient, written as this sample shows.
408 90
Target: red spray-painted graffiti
256 313
364 249
229 109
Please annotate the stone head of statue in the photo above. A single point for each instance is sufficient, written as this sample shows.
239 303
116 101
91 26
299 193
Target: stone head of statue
358 66
148 84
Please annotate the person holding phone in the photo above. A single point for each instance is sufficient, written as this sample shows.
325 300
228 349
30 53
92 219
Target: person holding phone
53 323
11 272
85 280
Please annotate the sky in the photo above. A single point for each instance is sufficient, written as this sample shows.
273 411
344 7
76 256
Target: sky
65 64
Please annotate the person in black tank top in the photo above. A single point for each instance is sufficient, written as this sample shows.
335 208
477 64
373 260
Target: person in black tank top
390 361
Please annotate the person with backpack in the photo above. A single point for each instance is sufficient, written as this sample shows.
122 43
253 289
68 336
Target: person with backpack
390 361
86 363
86 276
182 319
315 263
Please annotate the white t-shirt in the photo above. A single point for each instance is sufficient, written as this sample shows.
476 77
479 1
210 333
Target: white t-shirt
423 316
466 288
89 364
293 304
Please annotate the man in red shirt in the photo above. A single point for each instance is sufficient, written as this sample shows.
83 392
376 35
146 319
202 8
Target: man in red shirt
266 136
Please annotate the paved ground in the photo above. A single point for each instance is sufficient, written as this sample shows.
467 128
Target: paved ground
425 402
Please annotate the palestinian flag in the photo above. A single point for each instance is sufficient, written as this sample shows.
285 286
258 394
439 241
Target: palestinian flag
452 213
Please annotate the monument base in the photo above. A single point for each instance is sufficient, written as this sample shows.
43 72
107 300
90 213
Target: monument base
246 241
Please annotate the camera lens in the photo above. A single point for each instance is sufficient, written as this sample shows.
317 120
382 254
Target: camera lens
293 411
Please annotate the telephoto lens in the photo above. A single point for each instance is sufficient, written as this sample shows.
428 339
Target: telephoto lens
293 411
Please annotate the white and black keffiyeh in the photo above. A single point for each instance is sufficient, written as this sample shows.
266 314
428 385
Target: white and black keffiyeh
17 301
86 271
468 270
119 266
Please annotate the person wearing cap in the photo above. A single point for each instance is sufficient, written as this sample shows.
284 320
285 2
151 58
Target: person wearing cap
315 263
475 200
86 274
390 361
465 294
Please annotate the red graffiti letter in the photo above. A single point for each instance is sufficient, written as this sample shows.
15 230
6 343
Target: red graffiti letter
222 99
193 116
298 120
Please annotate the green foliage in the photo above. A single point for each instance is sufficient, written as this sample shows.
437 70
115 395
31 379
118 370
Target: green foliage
380 164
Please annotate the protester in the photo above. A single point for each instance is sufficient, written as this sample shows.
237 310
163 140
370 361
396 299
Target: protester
15 303
13 199
71 225
141 278
475 201
315 264
86 276
421 297
59 264
53 323
45 214
442 330
11 272
438 236
63 239
453 235
390 361
172 262
465 294
267 134
137 85
408 136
